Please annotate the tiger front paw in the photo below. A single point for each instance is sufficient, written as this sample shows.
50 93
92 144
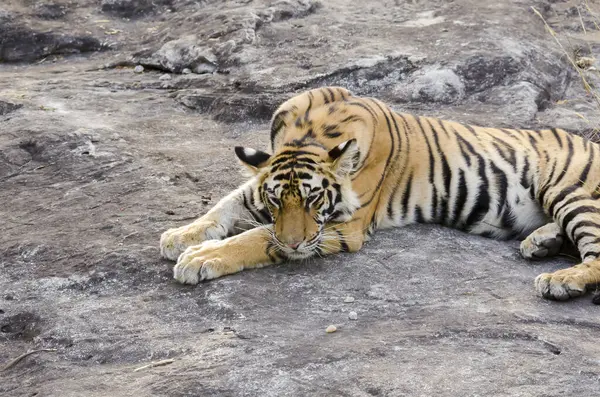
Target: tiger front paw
175 241
562 284
202 262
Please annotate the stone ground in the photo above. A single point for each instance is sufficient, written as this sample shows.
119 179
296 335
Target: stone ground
96 161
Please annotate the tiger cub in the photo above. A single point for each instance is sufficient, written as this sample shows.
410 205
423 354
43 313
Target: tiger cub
343 166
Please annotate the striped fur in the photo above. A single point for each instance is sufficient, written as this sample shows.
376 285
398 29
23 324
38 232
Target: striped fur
343 166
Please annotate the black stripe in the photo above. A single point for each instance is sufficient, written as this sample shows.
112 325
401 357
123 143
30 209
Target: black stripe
583 235
569 216
508 220
434 205
419 215
392 197
595 254
273 253
331 93
303 175
581 224
555 132
343 246
351 119
504 156
584 174
406 196
309 107
534 143
441 123
265 215
512 133
472 131
446 175
502 189
482 204
461 199
367 108
465 155
276 125
548 185
295 153
560 197
332 135
596 193
325 97
387 161
252 209
567 160
293 165
525 182
446 171
431 158
564 205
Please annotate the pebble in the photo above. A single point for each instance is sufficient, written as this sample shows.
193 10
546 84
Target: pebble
165 76
349 299
138 69
331 329
186 71
352 316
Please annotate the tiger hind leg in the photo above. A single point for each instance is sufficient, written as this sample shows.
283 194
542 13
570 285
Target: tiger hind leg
568 283
577 212
543 242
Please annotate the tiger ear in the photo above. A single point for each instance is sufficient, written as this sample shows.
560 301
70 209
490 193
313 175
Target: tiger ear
344 157
252 158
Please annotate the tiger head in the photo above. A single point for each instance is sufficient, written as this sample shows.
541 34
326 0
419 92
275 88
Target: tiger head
303 189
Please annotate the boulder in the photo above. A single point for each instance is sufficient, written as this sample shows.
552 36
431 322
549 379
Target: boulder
185 53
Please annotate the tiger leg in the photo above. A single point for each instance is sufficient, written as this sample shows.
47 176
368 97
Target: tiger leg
216 258
568 283
231 215
544 242
578 213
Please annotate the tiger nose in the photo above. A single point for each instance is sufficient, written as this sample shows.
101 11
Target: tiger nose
294 245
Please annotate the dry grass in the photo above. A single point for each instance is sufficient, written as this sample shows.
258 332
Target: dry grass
581 64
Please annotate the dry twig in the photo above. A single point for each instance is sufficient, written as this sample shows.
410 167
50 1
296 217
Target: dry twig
22 356
155 364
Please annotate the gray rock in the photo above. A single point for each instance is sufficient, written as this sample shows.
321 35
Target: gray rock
184 53
132 8
521 100
22 44
165 76
50 11
138 69
432 85
7 107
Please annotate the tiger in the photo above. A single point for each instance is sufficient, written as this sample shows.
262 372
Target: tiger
343 166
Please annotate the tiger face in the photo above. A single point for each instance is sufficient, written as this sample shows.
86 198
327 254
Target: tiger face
303 190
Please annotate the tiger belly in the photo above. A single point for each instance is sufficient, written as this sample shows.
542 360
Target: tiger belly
513 213
521 214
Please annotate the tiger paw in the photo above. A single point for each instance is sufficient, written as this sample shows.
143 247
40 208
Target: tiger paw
175 241
562 284
544 242
201 262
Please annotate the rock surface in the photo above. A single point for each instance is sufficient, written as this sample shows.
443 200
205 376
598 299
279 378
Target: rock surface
95 162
